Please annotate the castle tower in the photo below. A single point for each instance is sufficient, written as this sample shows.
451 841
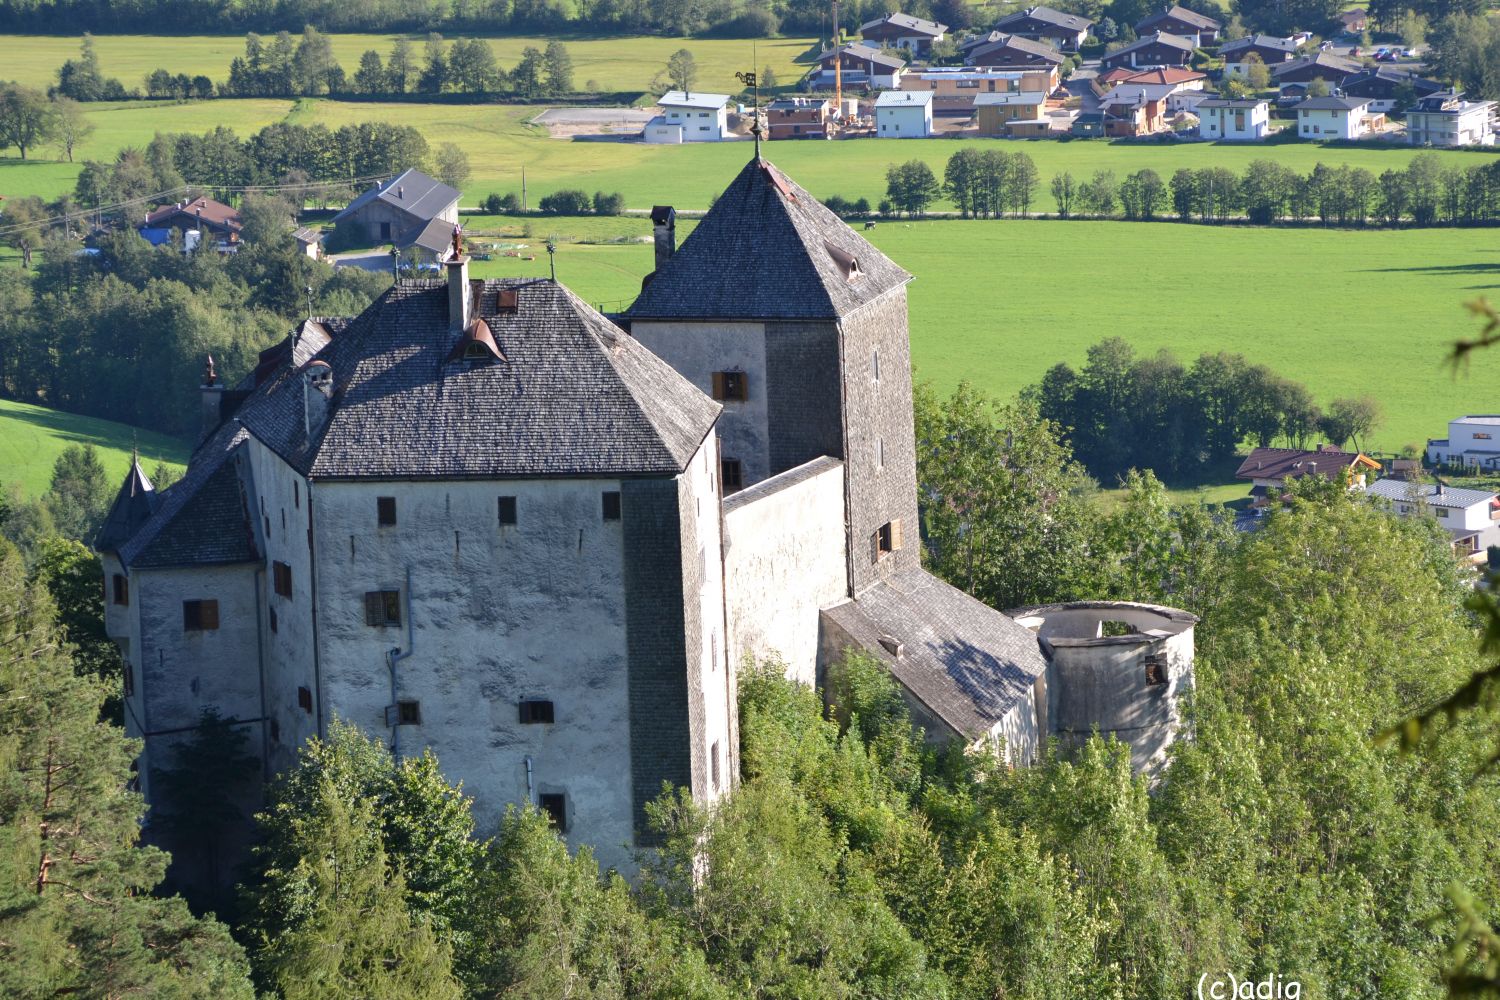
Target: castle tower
797 324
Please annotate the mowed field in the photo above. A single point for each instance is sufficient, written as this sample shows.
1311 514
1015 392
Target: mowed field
602 64
998 303
31 438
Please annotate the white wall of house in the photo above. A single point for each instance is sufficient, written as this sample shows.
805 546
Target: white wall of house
1234 124
914 122
1471 127
1475 436
1335 124
784 560
714 748
698 124
498 614
661 132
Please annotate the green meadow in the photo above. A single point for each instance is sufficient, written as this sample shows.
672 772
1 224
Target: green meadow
32 437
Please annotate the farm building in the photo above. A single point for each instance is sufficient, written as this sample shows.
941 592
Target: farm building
397 206
1043 24
689 117
1158 49
902 31
1449 120
1178 20
1235 119
902 114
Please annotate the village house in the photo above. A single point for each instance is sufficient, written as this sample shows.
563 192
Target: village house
863 67
1271 50
1386 87
1473 440
424 247
386 211
1354 22
799 118
1449 120
309 242
1336 118
1233 119
1269 470
1135 109
955 90
902 31
689 117
1178 20
1472 517
1149 51
1087 125
1043 24
1015 115
1318 66
202 217
904 114
998 50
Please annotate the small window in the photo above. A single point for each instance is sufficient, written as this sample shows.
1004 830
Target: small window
382 607
200 616
875 365
281 575
476 351
275 731
506 303
385 511
536 712
887 538
1481 436
731 385
129 680
713 764
1442 512
408 713
733 473
297 494
273 621
612 505
555 805
1156 670
122 589
304 699
507 510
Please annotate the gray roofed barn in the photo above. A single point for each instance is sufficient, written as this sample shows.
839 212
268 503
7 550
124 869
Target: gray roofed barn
385 211
767 250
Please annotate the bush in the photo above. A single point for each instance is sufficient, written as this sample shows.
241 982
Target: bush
754 22
501 204
837 205
567 202
609 204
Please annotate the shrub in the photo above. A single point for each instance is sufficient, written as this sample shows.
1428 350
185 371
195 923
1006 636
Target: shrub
754 22
609 204
567 202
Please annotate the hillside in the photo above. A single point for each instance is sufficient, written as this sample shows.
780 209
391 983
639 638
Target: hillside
31 438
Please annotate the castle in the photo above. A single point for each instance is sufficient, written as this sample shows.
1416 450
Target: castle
483 518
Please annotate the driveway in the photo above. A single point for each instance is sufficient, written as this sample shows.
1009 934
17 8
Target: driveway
368 260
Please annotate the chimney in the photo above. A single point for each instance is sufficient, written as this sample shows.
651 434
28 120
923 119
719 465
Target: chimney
458 285
211 401
664 225
1439 491
317 392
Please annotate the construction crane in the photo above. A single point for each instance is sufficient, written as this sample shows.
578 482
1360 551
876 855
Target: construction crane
838 65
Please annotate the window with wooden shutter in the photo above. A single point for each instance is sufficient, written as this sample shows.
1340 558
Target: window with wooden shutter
385 511
508 512
122 589
304 699
731 386
536 712
281 575
200 615
611 504
555 805
382 607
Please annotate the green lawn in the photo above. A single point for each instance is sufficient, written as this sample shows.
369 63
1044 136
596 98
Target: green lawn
32 437
604 64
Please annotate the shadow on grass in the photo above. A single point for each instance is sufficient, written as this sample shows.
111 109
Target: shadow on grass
73 428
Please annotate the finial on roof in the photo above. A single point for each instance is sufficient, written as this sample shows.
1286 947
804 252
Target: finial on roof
458 241
210 377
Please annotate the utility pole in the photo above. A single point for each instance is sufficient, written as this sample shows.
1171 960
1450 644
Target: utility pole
523 187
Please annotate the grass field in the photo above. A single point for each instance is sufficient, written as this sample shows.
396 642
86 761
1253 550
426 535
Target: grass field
604 64
32 437
1347 313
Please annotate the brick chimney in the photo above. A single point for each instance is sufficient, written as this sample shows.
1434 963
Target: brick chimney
664 228
211 401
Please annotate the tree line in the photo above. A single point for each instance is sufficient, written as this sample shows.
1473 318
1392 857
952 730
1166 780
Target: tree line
1428 191
1120 411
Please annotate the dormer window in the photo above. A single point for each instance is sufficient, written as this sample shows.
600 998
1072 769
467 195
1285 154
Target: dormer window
477 344
476 351
507 304
846 262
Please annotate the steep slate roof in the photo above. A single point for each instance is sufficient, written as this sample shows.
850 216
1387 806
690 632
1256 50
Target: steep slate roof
573 394
1451 497
1047 16
134 504
411 191
905 22
1177 13
201 519
965 661
775 242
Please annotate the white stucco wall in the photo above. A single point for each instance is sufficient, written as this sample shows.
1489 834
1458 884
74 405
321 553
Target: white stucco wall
784 560
904 123
498 615
700 484
696 351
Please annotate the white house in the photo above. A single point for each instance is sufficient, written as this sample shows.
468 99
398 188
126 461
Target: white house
1449 120
1242 119
1334 118
1472 517
904 114
688 117
1472 440
861 66
1271 50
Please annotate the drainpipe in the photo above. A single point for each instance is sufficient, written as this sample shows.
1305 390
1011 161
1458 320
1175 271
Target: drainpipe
393 657
530 789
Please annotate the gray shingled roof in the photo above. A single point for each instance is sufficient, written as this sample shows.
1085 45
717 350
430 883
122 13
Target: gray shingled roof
1179 13
764 252
1271 42
411 191
201 519
1046 15
964 660
1320 60
864 53
1403 491
1162 37
1331 103
134 504
999 41
573 395
906 22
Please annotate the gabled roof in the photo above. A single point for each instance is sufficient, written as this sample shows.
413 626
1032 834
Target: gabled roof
1332 103
864 53
1281 463
1181 14
905 22
763 252
411 191
1161 37
1046 15
966 662
1171 76
1137 93
903 99
1231 102
685 99
434 235
134 504
308 234
215 213
1258 42
1390 75
1022 97
998 41
573 396
1316 61
1407 491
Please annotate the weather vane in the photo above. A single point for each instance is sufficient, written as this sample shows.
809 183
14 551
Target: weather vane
751 81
